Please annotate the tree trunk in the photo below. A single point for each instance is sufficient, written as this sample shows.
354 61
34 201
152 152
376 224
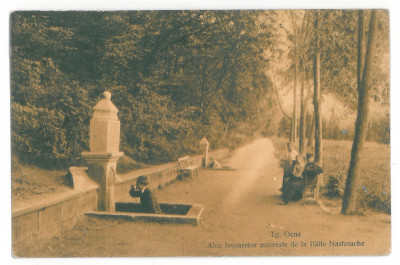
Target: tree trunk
294 121
295 59
361 47
302 116
311 131
349 198
317 94
276 91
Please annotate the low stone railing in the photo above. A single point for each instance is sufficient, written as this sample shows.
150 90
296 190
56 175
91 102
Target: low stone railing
32 222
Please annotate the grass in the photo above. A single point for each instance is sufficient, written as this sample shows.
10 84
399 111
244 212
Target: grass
29 182
374 171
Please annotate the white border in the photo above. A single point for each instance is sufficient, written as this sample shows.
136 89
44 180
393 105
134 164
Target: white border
12 5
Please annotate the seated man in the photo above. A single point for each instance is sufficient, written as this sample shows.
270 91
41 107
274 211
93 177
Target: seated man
148 201
214 163
311 170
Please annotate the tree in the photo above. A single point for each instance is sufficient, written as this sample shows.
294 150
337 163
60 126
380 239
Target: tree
295 66
304 69
302 116
317 89
364 93
311 131
175 76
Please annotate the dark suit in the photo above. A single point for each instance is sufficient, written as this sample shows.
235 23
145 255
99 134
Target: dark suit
310 172
147 200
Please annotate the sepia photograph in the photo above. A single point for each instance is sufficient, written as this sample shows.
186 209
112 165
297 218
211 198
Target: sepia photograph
200 133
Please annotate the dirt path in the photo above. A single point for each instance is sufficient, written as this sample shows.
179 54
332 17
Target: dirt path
241 218
251 162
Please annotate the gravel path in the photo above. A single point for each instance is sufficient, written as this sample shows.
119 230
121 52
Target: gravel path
241 218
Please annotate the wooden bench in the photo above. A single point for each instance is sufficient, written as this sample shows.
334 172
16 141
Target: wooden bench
186 170
311 189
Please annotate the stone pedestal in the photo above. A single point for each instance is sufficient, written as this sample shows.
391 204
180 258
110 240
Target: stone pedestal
204 145
104 151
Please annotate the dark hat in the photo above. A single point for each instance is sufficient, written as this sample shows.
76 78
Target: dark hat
309 155
142 180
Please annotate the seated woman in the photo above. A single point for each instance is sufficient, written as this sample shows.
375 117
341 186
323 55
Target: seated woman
295 183
294 187
148 200
289 163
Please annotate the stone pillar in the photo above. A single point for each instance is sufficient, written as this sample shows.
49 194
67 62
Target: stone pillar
204 148
104 151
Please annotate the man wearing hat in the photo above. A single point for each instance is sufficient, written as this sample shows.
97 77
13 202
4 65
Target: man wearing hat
148 200
311 170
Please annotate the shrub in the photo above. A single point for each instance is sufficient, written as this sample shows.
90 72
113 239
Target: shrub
126 164
37 135
381 203
334 187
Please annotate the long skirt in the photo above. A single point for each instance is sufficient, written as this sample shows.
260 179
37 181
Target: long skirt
293 189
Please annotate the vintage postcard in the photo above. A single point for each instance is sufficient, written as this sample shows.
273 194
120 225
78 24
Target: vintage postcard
200 133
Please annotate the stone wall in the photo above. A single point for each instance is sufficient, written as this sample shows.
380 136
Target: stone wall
33 222
160 175
41 221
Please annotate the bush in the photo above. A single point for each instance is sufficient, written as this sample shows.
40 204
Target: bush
381 202
334 187
37 135
374 192
126 164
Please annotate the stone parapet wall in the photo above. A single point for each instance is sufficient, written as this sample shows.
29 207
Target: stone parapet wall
33 222
41 221
160 175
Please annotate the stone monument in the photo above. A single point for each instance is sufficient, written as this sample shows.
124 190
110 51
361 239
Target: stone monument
104 151
204 148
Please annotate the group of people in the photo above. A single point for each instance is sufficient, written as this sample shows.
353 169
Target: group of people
297 171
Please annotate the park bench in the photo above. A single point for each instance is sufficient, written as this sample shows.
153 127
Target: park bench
187 170
311 188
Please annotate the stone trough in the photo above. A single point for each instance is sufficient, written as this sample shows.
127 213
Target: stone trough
171 213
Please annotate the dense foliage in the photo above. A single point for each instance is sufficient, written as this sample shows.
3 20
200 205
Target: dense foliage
175 77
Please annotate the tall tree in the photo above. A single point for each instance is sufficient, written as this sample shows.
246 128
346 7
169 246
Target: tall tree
302 115
317 89
303 65
311 131
364 91
295 63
